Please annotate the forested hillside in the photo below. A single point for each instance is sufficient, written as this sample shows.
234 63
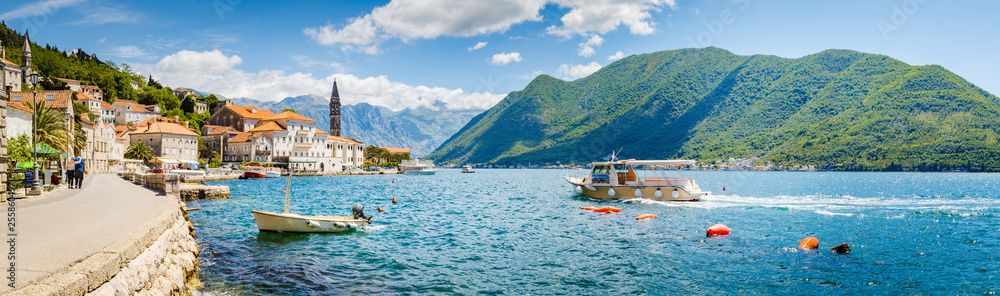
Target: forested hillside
838 108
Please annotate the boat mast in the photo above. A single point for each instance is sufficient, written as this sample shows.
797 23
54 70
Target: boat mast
288 189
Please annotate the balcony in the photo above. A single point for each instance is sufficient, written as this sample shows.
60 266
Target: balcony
262 152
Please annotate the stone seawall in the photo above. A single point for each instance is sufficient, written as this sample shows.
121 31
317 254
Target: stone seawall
160 257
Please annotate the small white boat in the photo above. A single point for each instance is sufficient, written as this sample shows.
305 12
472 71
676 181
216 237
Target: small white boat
422 171
619 180
291 222
417 167
272 173
467 169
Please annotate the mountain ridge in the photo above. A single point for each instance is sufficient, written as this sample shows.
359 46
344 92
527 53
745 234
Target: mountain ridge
856 110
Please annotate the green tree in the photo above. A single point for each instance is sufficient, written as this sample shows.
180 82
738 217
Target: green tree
50 126
19 149
215 160
188 104
289 109
140 151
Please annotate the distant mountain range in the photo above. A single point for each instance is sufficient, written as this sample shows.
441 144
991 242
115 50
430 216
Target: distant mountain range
839 109
421 129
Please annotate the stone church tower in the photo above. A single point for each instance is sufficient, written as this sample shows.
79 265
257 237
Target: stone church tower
335 111
26 61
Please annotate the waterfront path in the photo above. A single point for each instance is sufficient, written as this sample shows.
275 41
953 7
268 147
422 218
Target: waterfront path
63 227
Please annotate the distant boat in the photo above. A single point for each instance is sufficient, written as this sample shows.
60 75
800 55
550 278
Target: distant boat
272 172
291 222
467 169
417 167
618 180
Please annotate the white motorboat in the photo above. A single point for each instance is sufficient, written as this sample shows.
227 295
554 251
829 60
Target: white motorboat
619 180
291 222
417 167
467 169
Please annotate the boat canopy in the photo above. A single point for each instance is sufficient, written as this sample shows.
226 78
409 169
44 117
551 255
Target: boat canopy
649 162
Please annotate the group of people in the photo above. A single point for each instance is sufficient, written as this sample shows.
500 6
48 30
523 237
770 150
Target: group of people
75 175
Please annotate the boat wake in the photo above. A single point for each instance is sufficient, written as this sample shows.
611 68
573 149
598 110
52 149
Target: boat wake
845 205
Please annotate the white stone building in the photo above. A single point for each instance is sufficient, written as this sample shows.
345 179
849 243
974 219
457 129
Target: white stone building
129 111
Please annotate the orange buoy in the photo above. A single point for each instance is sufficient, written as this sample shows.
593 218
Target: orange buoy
841 248
646 216
506 182
393 180
607 210
588 208
393 199
810 243
717 230
723 188
379 209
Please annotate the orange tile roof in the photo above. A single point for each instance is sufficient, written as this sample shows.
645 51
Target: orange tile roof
342 139
20 106
67 80
9 63
250 112
268 126
85 118
135 105
86 97
164 128
216 129
123 128
88 87
61 98
289 115
319 132
396 150
240 137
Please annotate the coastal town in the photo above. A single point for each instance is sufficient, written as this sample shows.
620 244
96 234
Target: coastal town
112 129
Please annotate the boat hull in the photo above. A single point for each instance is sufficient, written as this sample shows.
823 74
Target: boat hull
254 175
288 222
272 175
628 192
421 172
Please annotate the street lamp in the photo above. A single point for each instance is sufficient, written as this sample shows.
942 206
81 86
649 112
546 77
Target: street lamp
35 186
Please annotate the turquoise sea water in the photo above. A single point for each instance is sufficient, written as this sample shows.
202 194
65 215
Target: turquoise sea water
521 232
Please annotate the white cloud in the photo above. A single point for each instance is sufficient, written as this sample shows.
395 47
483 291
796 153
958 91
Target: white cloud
576 71
274 85
478 46
617 56
506 58
99 15
102 40
418 19
39 8
129 51
307 62
602 16
192 62
587 49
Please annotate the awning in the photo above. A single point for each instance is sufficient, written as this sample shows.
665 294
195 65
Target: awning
192 163
165 161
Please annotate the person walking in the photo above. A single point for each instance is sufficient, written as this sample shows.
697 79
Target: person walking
79 164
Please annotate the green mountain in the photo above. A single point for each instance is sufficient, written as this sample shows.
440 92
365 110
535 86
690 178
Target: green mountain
838 108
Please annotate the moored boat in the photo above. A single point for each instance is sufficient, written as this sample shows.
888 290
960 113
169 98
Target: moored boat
254 175
417 167
467 169
619 180
291 222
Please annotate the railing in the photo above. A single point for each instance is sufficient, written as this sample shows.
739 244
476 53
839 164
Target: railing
263 152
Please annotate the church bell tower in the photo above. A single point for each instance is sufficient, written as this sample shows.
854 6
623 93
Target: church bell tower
335 111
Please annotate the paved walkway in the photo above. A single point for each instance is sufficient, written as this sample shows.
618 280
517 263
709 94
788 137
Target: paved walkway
63 227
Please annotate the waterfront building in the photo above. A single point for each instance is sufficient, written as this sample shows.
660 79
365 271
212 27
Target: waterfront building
215 138
104 111
167 139
60 100
350 151
296 139
73 85
93 91
240 118
127 111
248 147
18 120
10 78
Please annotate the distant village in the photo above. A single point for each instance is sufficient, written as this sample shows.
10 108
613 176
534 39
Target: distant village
237 134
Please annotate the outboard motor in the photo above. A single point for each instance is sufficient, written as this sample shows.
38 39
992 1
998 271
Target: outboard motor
359 213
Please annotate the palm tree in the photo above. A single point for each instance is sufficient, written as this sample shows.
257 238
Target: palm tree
140 151
50 126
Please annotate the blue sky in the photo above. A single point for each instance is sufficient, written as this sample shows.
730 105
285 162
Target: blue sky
408 53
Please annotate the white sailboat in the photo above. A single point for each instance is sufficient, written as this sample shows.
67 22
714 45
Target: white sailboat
291 222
